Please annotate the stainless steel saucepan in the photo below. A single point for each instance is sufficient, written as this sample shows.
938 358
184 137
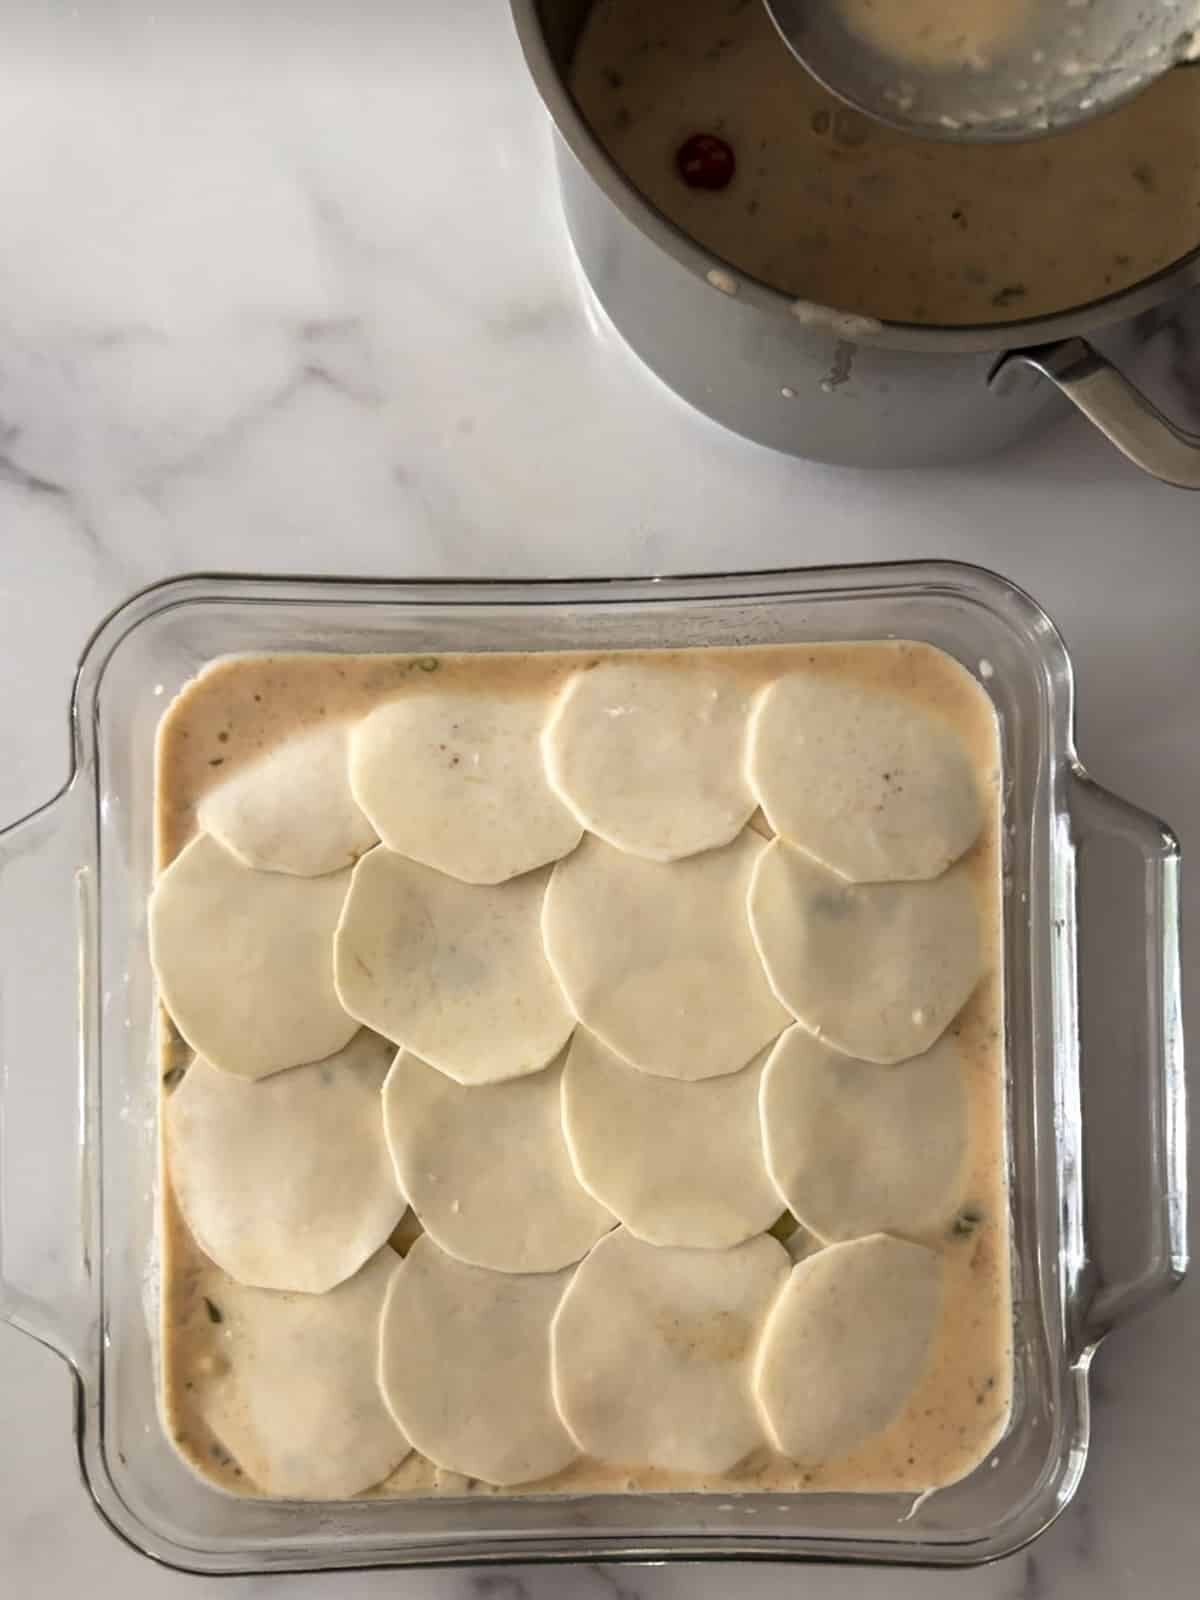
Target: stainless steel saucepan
830 386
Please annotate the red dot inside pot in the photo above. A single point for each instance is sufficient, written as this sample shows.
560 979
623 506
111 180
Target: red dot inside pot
705 162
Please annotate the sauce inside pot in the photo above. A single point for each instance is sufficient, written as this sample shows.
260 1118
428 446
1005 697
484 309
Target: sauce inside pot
830 207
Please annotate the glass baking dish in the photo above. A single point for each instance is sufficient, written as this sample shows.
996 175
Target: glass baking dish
1094 1066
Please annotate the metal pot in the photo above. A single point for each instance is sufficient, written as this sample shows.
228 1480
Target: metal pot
837 388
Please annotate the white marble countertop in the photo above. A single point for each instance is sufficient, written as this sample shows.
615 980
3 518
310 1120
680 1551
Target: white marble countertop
290 291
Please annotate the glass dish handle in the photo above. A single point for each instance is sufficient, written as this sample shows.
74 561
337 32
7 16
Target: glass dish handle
44 1228
1133 1100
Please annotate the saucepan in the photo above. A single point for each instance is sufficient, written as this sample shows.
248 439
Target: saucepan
834 387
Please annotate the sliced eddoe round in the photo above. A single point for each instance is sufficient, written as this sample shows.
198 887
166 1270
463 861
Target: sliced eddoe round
876 789
454 972
658 960
650 755
846 1344
464 1365
486 1169
286 1183
855 1148
292 809
679 1163
299 1407
456 781
244 960
653 1351
878 970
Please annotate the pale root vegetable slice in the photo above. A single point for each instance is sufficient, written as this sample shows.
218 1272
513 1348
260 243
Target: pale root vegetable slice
876 789
876 970
846 1344
456 781
855 1148
298 1405
486 1168
658 960
286 1183
244 960
650 755
679 1163
454 972
654 1348
464 1365
292 810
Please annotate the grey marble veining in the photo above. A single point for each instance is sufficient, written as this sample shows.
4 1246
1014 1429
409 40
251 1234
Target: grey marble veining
286 288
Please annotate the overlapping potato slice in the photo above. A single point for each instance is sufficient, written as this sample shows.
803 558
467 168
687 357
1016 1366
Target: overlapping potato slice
244 960
464 1366
456 780
286 1183
658 960
877 970
873 787
486 1168
650 755
299 1405
292 810
653 1351
855 1148
679 1163
454 972
846 1344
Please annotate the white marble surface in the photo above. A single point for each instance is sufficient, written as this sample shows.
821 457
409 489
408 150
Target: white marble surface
288 290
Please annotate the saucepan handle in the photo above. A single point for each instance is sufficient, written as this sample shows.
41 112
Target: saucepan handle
44 1148
1132 1096
1120 410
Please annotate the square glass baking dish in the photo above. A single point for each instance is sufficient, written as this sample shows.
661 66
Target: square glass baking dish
1095 1089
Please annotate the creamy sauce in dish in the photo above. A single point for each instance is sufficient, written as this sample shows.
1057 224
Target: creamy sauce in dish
241 708
795 189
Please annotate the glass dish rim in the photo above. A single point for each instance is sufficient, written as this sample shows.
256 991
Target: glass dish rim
899 578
